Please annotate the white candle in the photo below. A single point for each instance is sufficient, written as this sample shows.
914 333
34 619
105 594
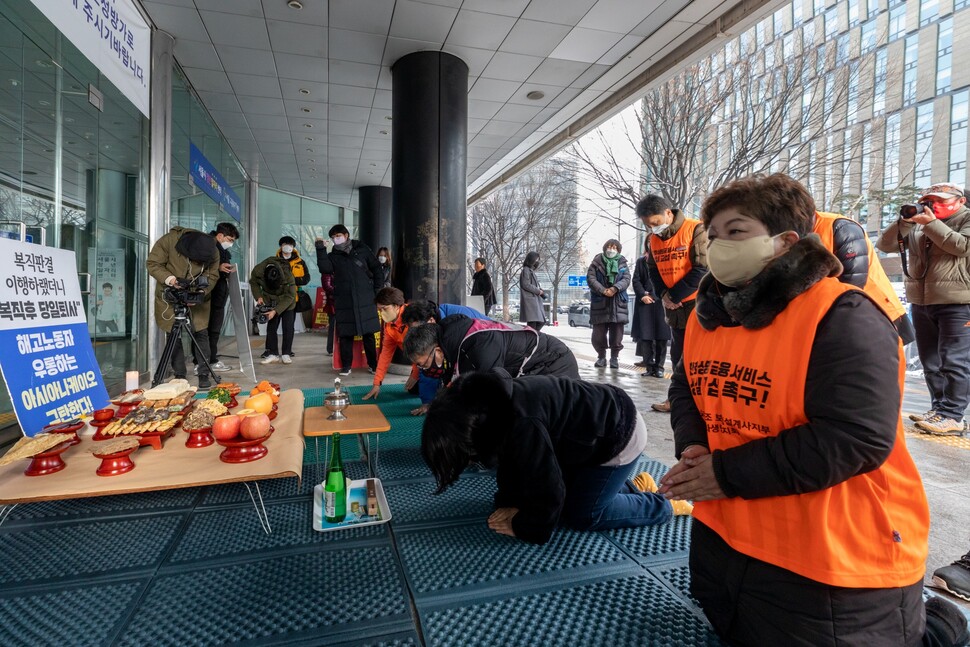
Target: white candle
131 380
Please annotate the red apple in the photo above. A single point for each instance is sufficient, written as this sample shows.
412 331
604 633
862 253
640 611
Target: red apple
226 427
254 426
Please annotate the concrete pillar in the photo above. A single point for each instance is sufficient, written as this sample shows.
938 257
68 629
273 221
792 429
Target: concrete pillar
375 229
429 160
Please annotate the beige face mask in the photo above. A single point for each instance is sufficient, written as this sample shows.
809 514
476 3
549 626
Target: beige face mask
736 262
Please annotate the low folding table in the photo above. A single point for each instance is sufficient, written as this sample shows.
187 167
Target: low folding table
362 420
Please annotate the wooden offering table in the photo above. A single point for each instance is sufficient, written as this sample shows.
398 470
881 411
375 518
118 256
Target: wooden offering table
361 419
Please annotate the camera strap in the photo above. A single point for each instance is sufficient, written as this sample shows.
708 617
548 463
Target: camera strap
901 242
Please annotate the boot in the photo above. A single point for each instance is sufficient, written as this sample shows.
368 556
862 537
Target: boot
600 361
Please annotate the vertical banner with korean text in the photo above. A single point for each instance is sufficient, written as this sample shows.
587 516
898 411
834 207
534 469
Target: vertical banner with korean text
48 362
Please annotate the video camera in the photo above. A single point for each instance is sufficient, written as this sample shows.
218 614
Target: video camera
907 211
187 292
259 314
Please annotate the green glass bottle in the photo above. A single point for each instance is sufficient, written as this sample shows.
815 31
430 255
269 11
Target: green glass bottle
335 487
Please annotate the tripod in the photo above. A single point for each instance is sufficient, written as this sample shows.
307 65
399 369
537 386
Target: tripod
182 323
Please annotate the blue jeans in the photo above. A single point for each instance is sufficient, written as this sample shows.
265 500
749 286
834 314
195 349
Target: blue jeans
601 498
943 341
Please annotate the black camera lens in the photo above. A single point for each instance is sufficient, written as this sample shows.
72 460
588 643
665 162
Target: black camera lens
907 211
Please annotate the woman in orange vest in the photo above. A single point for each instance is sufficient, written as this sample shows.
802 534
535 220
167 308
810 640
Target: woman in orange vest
810 519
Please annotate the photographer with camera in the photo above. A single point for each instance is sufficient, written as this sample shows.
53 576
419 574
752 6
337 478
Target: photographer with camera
185 265
933 239
274 289
225 235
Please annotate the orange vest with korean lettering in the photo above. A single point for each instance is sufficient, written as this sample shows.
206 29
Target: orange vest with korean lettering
877 284
672 256
868 531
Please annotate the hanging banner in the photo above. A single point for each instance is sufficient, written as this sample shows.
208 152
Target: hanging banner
106 303
205 176
48 362
112 35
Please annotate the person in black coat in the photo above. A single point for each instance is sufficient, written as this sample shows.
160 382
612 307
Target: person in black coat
482 284
357 277
459 344
649 329
564 451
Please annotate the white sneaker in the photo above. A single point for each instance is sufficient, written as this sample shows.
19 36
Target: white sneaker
219 366
345 371
286 359
270 359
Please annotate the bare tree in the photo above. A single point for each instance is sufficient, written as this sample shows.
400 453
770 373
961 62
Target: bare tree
535 212
778 109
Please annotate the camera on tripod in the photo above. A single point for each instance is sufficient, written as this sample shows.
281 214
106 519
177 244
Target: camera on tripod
187 292
907 211
259 314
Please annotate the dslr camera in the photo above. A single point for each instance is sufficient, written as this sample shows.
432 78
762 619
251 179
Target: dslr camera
907 211
259 313
187 292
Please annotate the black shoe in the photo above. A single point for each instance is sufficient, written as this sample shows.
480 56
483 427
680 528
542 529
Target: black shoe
614 362
179 377
600 362
955 578
658 372
204 383
640 364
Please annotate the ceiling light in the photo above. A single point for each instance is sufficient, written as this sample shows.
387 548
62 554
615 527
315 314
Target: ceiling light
304 91
311 161
388 117
44 103
314 170
309 139
535 95
309 150
306 110
294 4
308 125
383 132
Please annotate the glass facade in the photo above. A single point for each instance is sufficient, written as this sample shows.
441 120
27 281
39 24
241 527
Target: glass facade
76 176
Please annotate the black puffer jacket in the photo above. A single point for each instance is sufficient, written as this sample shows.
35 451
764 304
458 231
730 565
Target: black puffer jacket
356 279
849 246
539 426
604 309
507 349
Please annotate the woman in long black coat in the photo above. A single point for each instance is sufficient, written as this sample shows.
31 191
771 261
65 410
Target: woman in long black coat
649 329
357 277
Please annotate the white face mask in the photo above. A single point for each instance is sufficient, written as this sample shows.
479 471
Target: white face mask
382 259
659 229
610 253
736 262
226 244
339 240
287 249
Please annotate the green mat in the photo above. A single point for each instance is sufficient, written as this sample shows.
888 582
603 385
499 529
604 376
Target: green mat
396 405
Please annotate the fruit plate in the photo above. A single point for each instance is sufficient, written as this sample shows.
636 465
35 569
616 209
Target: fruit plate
356 492
244 451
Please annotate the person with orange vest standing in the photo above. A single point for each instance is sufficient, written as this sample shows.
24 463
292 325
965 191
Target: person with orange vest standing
847 239
677 262
810 519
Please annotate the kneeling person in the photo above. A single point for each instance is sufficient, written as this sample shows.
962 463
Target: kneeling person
564 452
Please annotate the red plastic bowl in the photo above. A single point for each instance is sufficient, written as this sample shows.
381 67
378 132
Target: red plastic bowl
199 437
244 451
103 414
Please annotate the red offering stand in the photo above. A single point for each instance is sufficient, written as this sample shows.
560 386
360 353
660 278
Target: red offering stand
50 461
244 451
116 463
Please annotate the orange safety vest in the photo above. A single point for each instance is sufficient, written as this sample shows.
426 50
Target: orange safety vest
877 285
672 256
869 531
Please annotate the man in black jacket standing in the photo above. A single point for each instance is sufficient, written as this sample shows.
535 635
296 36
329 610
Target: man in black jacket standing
356 280
226 234
482 284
